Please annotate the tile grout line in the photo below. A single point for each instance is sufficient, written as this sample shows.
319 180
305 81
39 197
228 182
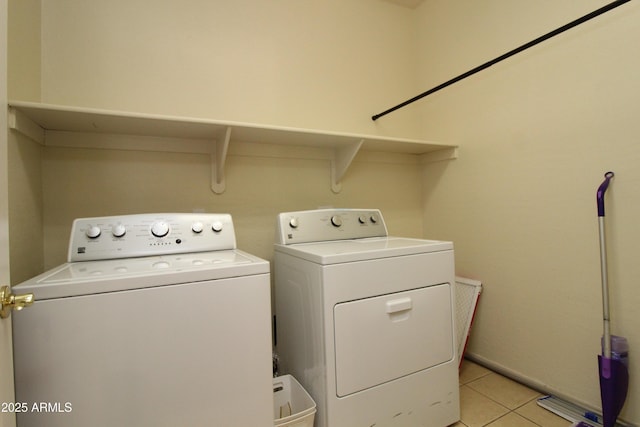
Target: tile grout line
491 399
500 403
510 411
479 377
515 411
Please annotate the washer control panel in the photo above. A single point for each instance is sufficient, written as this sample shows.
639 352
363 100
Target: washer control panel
329 224
129 236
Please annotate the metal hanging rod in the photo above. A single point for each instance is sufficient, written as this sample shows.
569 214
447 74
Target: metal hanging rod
509 54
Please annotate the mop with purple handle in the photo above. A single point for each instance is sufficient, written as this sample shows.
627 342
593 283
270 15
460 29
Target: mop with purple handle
614 374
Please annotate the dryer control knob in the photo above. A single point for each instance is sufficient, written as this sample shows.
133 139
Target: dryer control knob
160 229
336 221
294 223
118 230
216 226
362 219
374 218
197 227
93 232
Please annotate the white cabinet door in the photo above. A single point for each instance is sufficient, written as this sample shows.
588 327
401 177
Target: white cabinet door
6 362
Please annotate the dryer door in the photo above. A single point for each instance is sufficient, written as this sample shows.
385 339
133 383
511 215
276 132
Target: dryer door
386 337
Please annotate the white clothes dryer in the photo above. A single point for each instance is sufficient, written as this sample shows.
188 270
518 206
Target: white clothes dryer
365 320
155 320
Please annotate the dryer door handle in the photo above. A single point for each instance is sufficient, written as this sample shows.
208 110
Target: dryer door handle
397 305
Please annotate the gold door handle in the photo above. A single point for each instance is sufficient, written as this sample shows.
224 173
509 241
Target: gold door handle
10 301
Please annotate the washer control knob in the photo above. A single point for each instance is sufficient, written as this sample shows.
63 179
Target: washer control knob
93 232
197 227
216 226
118 230
374 218
336 221
160 229
362 219
294 223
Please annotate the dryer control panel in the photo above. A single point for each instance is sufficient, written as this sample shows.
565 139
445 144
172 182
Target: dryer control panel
129 236
329 224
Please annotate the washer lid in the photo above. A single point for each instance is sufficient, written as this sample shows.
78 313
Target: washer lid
341 251
92 277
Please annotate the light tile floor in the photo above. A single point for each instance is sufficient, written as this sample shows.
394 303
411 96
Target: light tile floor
491 400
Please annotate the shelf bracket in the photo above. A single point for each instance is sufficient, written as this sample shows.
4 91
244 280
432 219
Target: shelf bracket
342 158
18 121
450 153
218 160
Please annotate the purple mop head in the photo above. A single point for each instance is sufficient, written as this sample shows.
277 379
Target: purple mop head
614 383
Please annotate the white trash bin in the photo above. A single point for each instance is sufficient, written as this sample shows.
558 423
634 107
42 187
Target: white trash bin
292 405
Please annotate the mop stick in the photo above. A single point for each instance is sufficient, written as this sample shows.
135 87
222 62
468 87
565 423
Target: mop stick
606 352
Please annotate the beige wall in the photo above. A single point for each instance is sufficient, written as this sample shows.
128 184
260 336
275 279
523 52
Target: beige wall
25 208
537 133
257 189
313 64
326 65
23 78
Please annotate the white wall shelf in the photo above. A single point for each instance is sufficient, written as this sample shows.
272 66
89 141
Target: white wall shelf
55 125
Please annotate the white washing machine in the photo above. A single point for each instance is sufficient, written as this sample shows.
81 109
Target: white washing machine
156 320
365 320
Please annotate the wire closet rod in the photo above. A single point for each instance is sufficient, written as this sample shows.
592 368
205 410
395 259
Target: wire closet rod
509 54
